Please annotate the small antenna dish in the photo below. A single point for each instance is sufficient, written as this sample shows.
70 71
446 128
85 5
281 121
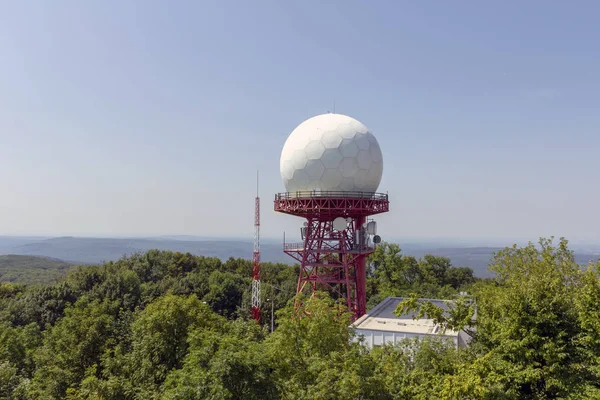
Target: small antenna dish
376 239
340 224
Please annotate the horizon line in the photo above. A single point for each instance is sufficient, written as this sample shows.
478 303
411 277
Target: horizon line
249 237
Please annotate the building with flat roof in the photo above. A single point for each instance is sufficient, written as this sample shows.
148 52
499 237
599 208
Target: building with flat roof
381 325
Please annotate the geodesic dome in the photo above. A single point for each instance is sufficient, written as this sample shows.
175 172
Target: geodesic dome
331 152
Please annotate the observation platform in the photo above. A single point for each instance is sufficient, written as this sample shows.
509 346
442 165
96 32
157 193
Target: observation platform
331 204
328 248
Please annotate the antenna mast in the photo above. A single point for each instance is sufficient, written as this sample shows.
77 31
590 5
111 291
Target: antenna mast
256 258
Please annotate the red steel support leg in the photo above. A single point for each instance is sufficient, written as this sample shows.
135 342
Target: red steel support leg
360 270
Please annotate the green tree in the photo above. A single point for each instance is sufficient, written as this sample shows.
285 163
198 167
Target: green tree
529 320
587 306
313 355
394 274
225 292
227 365
160 336
10 382
536 333
414 368
74 344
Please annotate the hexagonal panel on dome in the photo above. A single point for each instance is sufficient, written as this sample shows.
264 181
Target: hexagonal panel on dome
299 181
315 184
331 158
329 122
299 140
287 171
314 150
331 139
315 134
372 138
375 173
286 153
364 159
306 127
299 159
359 127
375 150
282 164
331 179
369 187
377 167
347 184
346 130
348 167
348 148
361 179
314 169
362 141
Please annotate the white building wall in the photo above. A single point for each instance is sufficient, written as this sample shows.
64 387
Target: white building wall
374 338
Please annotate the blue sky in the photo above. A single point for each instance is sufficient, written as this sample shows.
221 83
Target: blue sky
145 117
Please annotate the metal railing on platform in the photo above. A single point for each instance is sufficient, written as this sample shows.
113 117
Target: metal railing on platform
299 246
330 194
293 246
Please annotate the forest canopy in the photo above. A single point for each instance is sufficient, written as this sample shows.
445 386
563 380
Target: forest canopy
165 325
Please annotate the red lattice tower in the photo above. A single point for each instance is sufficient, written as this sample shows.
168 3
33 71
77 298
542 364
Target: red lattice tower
333 259
256 259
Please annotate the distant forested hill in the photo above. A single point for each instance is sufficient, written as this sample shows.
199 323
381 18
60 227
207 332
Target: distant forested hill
31 270
477 258
9 242
98 250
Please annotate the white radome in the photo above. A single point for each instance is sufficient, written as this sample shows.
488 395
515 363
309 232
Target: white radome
331 152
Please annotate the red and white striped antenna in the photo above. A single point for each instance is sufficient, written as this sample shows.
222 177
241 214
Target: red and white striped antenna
256 258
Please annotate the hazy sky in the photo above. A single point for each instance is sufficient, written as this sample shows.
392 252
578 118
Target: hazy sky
145 117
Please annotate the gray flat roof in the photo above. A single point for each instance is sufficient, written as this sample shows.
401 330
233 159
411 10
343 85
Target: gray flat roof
382 318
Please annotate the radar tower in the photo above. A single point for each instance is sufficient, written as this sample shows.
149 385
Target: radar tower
331 166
